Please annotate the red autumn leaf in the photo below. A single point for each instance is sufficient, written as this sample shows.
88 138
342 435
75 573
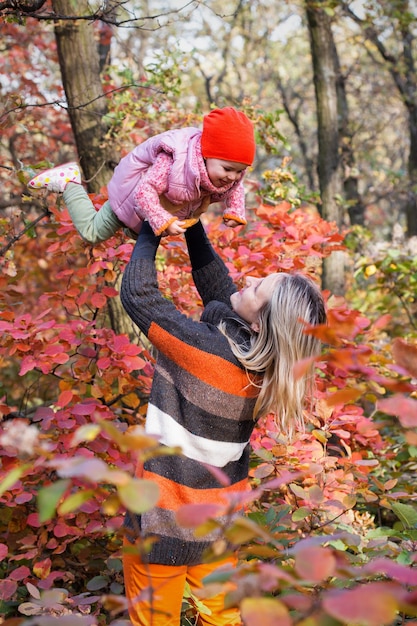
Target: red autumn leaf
193 515
133 363
98 300
20 573
218 474
315 564
7 589
3 551
402 573
403 407
382 322
53 349
405 355
84 408
104 363
42 569
373 604
28 364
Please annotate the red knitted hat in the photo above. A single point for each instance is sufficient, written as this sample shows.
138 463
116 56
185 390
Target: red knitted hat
228 135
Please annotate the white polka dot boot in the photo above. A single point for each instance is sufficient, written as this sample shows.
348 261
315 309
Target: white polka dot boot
57 178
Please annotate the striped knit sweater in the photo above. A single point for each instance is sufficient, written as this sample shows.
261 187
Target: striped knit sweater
200 398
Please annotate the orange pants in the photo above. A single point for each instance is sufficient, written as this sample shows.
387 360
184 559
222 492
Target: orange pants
155 593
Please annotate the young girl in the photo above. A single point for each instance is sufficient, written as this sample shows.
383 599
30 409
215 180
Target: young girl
166 180
213 380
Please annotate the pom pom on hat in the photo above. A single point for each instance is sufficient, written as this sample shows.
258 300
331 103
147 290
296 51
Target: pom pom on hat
228 135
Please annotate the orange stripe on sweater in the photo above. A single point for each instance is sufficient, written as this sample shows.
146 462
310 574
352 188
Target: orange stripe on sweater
174 496
209 368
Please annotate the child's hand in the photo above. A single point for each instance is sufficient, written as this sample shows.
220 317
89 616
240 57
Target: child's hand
180 226
232 223
176 228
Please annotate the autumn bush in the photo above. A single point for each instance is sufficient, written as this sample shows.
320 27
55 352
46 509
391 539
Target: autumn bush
331 527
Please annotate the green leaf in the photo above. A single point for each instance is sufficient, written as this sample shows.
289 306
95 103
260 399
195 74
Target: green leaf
298 491
98 582
75 500
49 497
300 514
406 513
188 595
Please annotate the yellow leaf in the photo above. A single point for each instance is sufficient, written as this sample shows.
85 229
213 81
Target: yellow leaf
265 611
320 435
131 400
370 270
111 505
87 432
245 529
12 477
349 502
75 500
139 495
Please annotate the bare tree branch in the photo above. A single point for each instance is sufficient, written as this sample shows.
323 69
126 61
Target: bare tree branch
107 14
63 104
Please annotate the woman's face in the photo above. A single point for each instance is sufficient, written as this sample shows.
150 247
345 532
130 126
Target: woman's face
222 173
255 294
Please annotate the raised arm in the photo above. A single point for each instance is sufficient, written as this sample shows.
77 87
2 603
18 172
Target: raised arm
157 317
139 292
210 274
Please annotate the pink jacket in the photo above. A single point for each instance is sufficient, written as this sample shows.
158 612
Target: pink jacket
136 191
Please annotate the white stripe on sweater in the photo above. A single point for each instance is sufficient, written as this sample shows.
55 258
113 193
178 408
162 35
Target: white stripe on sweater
170 433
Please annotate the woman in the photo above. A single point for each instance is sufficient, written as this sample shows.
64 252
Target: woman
213 379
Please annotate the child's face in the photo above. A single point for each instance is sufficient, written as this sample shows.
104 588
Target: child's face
222 173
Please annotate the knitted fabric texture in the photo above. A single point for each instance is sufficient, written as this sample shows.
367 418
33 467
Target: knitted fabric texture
200 401
228 135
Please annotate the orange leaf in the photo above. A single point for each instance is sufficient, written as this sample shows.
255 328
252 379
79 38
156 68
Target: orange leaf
343 396
65 398
303 367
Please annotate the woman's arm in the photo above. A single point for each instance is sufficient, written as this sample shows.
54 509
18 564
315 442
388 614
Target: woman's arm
157 317
210 274
139 290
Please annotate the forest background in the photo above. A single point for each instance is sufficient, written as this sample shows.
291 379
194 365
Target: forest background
331 528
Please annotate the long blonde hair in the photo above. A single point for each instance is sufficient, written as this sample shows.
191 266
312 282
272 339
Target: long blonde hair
280 343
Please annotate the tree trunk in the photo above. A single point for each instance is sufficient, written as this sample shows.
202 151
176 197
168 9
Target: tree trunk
79 59
325 83
411 206
402 68
80 69
349 171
